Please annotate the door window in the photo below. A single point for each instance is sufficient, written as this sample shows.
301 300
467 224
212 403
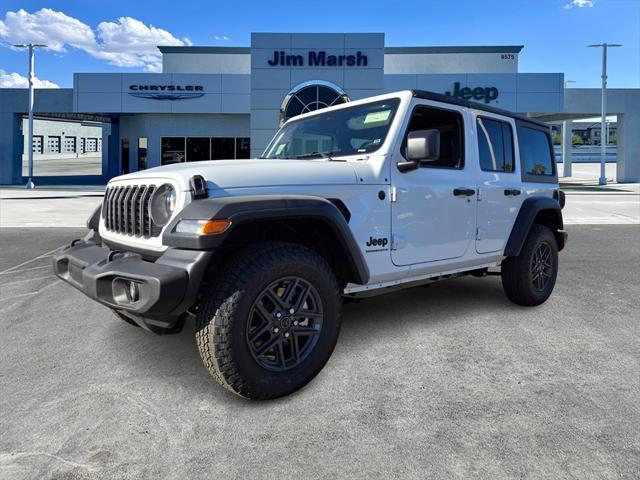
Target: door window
124 152
449 124
142 153
495 145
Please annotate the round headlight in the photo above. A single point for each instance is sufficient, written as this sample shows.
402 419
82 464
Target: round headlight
163 203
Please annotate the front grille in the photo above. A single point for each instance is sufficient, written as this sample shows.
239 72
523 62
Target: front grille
126 210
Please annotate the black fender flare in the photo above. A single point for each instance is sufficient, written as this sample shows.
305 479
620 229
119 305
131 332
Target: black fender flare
529 210
251 208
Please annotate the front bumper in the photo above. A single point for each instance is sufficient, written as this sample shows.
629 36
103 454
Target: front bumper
164 288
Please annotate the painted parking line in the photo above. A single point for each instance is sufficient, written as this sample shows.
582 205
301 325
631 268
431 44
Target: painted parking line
25 269
44 255
29 294
13 282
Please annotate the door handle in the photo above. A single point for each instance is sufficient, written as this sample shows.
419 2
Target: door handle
463 192
514 192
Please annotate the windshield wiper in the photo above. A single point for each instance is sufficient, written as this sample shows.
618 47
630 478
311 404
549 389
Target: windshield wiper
326 155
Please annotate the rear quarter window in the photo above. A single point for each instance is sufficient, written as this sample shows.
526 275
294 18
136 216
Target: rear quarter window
536 155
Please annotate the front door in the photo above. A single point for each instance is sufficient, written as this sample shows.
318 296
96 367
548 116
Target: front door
434 212
499 186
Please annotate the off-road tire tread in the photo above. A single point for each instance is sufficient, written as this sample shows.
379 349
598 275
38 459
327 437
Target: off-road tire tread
220 301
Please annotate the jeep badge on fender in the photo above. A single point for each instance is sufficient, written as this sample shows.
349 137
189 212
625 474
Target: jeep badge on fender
375 242
259 254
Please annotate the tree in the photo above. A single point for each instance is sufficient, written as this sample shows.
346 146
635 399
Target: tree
576 139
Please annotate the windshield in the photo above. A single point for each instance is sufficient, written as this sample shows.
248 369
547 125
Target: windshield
347 131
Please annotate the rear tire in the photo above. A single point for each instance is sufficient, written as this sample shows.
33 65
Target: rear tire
270 321
529 278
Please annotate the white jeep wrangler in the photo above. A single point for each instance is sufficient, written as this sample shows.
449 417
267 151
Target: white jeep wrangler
389 192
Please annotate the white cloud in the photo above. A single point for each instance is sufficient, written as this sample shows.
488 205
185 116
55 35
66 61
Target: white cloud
15 80
125 43
220 37
46 26
579 4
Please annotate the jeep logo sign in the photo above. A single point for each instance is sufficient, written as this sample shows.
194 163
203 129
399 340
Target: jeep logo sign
485 94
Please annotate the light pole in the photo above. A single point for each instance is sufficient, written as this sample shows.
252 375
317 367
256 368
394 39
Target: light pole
603 119
567 82
31 47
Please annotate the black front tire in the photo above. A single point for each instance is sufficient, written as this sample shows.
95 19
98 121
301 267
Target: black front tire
529 278
225 315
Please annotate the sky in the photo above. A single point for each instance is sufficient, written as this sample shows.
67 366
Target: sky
121 36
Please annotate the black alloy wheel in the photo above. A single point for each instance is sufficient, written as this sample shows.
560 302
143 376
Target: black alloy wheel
269 319
284 324
541 269
529 278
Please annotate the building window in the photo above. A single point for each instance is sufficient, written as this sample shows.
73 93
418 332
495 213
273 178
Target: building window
83 143
310 96
495 145
172 150
53 144
198 149
449 124
142 153
243 147
222 148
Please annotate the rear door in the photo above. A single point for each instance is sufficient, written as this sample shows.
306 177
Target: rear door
499 183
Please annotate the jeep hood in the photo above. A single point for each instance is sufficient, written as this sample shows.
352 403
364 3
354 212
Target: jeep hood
225 174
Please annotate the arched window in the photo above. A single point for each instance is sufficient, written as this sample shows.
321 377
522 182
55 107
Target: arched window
310 96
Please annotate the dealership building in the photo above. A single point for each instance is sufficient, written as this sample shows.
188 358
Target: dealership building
226 102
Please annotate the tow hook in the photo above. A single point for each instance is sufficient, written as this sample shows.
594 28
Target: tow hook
112 255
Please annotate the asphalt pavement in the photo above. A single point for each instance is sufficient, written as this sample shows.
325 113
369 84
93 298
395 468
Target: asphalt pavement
449 381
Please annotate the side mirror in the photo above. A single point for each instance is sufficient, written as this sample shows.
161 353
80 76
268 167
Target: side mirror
423 145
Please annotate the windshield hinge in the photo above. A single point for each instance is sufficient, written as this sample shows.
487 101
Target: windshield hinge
393 196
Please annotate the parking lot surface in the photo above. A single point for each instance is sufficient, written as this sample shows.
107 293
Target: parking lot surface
449 381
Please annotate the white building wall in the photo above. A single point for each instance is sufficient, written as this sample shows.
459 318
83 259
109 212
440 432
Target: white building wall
206 63
433 63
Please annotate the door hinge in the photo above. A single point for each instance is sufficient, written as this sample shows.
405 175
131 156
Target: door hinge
393 195
480 233
398 242
479 195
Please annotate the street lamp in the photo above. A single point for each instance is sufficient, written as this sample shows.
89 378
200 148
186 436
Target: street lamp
31 47
603 119
567 82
